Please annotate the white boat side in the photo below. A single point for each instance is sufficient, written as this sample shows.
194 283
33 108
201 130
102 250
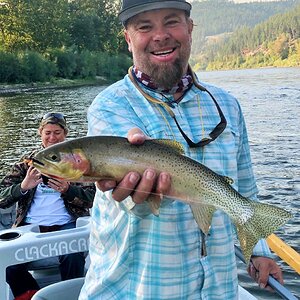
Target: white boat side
70 289
26 243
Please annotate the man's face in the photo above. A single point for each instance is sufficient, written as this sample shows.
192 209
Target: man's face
160 42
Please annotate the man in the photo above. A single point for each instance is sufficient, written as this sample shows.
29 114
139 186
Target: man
134 254
53 204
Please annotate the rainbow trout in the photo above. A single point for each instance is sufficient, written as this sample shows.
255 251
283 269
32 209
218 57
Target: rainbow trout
105 157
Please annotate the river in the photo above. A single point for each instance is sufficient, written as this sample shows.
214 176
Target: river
270 100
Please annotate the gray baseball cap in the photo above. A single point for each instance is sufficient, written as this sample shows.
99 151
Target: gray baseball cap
131 8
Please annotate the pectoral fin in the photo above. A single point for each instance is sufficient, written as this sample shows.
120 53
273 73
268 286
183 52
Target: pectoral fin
203 216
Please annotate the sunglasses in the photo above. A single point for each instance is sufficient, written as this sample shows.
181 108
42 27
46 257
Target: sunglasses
215 132
52 115
220 127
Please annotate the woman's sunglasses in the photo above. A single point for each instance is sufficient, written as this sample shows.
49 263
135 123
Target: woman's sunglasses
52 115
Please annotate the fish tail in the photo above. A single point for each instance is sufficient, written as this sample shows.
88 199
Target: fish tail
264 221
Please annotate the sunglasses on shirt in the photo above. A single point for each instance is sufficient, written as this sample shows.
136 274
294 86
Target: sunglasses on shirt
220 127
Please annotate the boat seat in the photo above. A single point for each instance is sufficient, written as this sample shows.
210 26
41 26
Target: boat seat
7 217
17 243
45 263
66 290
45 271
70 290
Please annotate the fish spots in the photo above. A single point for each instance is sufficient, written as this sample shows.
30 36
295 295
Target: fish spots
192 182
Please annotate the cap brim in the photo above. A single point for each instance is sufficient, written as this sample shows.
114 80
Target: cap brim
130 12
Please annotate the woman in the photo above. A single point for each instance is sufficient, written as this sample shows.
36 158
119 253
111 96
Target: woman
50 203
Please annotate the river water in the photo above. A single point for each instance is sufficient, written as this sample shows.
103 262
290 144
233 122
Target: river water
270 99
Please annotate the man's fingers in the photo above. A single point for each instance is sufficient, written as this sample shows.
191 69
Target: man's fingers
145 186
106 185
136 136
137 186
252 271
126 186
152 183
265 267
163 184
262 279
278 276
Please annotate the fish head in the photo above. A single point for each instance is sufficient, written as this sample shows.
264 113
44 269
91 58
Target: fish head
62 164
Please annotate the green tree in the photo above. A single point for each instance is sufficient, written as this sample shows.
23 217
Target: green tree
14 35
95 25
34 24
280 47
47 21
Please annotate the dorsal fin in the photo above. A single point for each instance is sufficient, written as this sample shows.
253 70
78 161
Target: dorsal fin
174 145
228 179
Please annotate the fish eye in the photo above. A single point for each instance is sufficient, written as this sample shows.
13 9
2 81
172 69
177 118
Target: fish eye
53 157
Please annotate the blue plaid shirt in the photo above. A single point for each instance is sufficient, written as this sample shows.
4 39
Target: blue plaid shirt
136 255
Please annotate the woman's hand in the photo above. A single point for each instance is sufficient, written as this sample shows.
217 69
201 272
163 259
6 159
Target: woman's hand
32 179
58 185
139 186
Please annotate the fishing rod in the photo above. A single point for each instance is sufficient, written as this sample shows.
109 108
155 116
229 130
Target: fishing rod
272 282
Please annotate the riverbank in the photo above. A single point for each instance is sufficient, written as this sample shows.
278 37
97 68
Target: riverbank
13 89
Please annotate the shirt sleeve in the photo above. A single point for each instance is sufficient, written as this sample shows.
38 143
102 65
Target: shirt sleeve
10 185
108 117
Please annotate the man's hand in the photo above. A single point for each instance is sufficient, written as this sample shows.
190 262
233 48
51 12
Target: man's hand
139 186
261 267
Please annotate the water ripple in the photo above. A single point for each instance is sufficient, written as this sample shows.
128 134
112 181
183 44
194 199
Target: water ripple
268 99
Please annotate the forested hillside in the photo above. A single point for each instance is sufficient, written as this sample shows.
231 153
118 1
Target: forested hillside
45 39
229 35
275 42
215 17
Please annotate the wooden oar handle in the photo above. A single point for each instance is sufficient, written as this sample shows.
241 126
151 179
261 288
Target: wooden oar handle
285 252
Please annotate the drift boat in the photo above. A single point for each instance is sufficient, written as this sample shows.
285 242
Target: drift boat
26 243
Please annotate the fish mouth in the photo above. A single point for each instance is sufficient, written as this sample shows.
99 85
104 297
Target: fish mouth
61 171
34 160
54 176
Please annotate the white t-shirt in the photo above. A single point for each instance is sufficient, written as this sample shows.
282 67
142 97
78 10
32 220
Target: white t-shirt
47 208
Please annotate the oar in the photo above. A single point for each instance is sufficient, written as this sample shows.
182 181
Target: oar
285 252
272 282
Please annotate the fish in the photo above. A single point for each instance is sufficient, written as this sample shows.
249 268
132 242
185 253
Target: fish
92 158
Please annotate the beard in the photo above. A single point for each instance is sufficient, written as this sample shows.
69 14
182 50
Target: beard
166 75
